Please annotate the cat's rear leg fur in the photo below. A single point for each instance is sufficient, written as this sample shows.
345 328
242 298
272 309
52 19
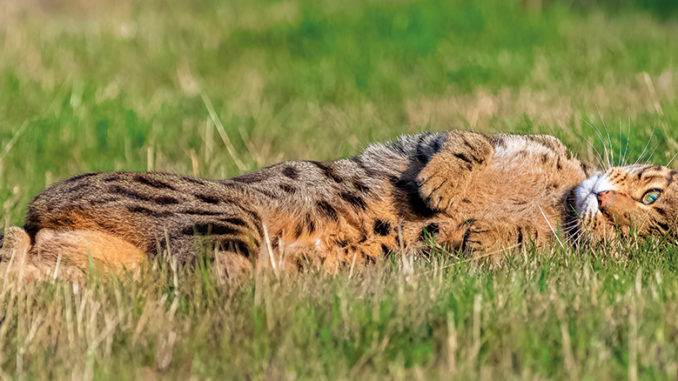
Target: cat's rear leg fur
78 250
15 257
75 250
15 243
82 248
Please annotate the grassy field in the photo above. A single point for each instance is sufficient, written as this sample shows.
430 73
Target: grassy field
218 88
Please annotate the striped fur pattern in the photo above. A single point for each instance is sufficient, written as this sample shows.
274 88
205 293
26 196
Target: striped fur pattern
465 190
617 201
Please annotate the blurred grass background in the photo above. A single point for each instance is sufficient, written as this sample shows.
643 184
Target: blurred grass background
122 85
110 85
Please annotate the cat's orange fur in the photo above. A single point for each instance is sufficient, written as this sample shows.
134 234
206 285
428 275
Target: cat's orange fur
467 191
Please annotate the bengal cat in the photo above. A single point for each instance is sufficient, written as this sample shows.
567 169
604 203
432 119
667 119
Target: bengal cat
467 191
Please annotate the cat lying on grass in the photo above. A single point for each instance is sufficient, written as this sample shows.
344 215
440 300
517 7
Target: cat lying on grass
467 191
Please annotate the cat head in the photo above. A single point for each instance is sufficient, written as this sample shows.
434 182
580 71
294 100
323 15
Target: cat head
638 199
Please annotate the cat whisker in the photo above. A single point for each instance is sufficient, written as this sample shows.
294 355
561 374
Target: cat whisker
575 240
622 161
628 135
653 151
599 157
621 158
609 140
645 148
551 227
672 158
606 161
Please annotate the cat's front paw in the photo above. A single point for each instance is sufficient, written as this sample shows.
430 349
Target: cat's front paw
435 188
480 237
446 176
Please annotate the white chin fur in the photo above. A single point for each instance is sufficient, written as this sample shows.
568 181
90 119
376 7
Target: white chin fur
586 194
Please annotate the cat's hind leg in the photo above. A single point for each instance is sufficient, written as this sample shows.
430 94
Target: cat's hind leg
86 248
15 259
15 243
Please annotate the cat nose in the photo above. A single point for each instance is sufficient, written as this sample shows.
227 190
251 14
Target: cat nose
604 198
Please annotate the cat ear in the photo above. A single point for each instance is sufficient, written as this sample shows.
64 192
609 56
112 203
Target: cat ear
445 177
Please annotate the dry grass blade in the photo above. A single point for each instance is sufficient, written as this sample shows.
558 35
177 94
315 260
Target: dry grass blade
222 132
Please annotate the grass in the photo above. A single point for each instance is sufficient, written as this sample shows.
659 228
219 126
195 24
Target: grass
218 88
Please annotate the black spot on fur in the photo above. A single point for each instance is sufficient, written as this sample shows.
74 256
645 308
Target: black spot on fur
234 221
149 212
327 171
151 182
661 211
32 226
207 198
250 178
235 246
368 171
467 144
462 157
199 212
544 158
299 230
499 142
421 155
117 189
437 144
354 200
368 258
385 249
663 226
520 237
559 165
432 228
429 231
208 229
288 188
165 200
381 227
290 172
465 200
655 230
361 187
111 178
407 192
327 210
310 224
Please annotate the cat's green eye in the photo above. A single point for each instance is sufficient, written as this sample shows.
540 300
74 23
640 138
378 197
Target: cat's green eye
650 196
